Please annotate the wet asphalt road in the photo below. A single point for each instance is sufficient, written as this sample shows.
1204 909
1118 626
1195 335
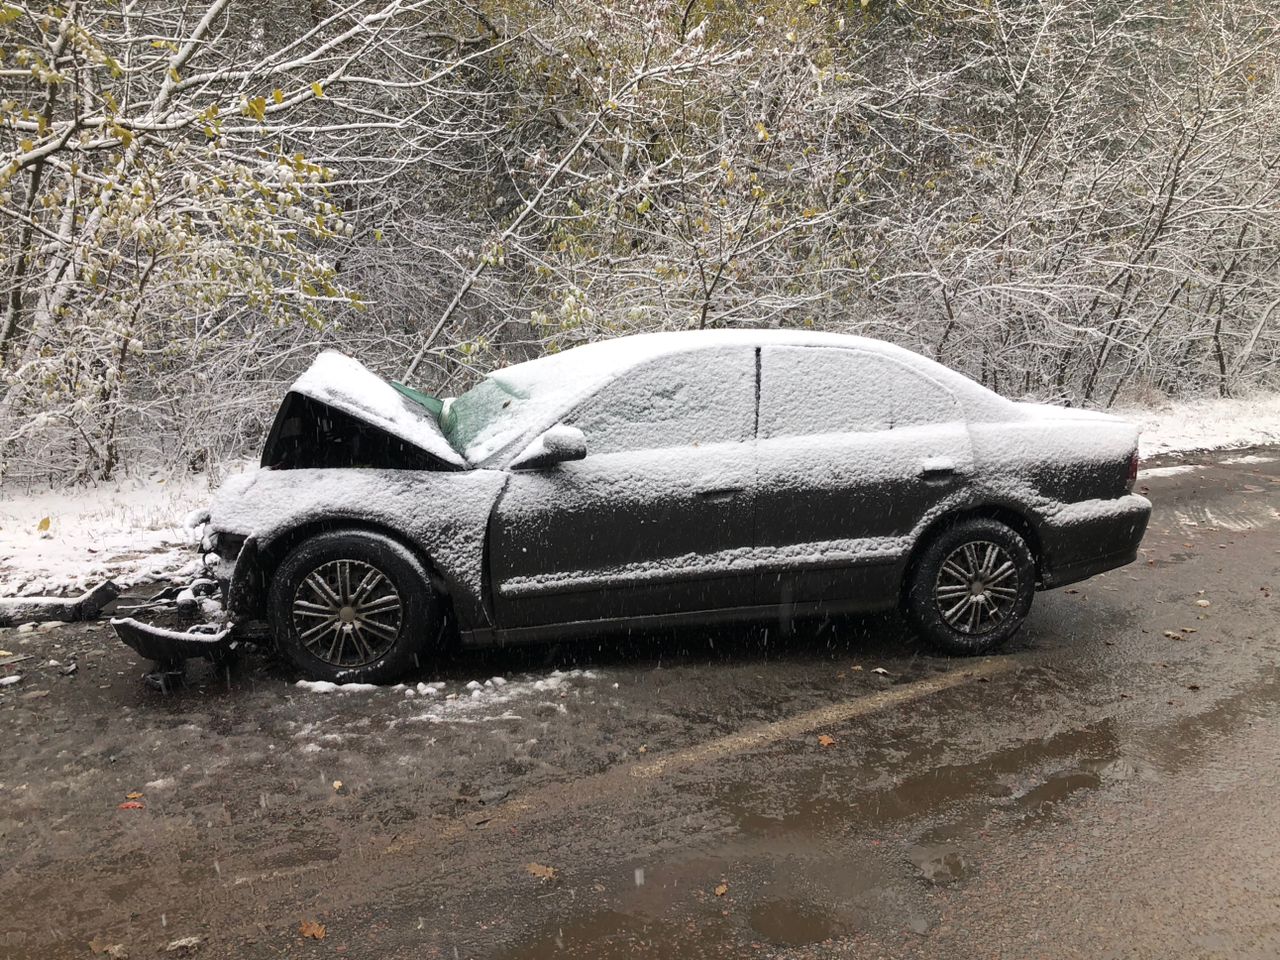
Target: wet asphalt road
1106 788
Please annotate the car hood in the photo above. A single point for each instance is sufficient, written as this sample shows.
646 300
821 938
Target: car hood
348 385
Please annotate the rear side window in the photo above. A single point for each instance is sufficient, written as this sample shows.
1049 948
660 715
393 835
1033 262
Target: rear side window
834 390
687 399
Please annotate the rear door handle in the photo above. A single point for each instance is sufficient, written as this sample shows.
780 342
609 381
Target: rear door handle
720 493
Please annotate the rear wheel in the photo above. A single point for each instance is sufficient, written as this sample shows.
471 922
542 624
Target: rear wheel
353 606
972 587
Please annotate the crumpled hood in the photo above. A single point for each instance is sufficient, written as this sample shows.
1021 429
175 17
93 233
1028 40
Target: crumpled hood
348 385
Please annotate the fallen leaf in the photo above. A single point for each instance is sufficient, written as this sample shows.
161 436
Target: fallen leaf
827 741
115 951
184 945
337 784
722 889
133 796
43 525
1193 686
1174 635
132 805
540 871
856 669
881 670
312 929
1202 603
643 748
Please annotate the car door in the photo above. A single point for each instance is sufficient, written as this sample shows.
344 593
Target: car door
854 449
657 519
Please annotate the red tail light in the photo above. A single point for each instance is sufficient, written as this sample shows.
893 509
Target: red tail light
1133 471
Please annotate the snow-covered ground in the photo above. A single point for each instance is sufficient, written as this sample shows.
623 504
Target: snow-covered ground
133 530
1209 424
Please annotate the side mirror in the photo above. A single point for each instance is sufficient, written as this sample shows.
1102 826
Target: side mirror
557 445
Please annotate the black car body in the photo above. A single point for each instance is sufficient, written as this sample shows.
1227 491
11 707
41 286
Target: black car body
658 479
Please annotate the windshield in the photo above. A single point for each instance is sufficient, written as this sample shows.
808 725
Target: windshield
486 417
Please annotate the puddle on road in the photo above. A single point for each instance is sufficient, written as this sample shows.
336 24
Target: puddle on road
793 923
609 934
1025 775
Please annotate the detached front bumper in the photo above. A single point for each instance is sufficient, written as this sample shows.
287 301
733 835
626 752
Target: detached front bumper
171 647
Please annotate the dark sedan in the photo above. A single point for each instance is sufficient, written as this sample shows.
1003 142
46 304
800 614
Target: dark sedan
654 480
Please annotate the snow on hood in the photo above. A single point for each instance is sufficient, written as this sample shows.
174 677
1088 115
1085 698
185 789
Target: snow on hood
348 385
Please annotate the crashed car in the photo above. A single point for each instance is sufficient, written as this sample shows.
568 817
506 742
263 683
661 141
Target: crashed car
655 480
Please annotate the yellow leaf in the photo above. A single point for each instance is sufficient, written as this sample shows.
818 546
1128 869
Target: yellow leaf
317 88
311 928
540 871
135 795
43 525
277 95
337 784
827 741
722 889
173 74
27 145
257 108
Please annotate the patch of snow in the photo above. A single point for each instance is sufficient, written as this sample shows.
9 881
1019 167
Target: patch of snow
482 702
1087 510
1207 424
1249 458
325 686
1168 471
348 385
164 783
130 530
9 681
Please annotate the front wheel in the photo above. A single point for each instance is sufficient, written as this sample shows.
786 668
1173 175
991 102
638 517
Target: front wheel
353 606
972 587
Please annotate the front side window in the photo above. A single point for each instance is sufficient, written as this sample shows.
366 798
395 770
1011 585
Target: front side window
685 399
806 390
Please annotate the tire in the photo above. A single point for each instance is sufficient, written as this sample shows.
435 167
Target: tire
938 599
376 639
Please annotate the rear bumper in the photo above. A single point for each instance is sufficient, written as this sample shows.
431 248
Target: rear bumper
1091 538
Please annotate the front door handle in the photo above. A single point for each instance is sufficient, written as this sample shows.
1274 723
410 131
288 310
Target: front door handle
937 469
720 493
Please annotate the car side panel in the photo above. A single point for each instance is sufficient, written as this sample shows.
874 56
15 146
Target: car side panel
441 515
1067 478
634 533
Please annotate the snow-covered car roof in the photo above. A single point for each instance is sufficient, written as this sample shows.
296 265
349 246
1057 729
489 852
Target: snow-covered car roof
548 387
560 380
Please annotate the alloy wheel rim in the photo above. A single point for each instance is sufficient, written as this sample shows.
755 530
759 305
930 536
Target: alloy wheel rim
347 613
976 587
